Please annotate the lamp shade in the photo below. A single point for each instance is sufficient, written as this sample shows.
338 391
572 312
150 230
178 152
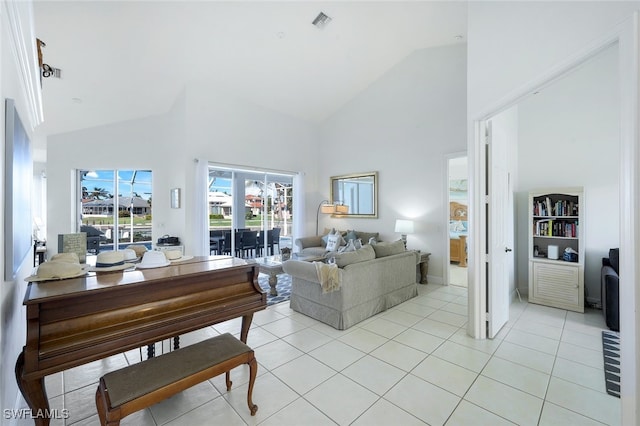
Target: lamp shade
327 208
341 208
404 226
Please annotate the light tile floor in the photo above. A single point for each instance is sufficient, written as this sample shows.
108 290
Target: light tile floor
411 365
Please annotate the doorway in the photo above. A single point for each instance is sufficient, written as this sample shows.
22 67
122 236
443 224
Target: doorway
457 219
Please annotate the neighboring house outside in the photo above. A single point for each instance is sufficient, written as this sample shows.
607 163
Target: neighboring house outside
139 206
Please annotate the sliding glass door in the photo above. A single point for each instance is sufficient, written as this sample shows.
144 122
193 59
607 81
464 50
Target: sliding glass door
253 201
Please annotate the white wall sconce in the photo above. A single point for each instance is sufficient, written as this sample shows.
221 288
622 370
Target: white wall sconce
175 198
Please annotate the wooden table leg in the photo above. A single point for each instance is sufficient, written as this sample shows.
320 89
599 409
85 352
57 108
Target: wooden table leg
273 281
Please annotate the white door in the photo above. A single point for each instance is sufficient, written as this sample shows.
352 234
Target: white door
500 212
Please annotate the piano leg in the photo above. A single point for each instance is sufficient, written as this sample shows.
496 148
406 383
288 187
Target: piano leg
246 324
34 393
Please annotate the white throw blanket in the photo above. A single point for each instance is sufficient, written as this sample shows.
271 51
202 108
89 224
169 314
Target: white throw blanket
329 276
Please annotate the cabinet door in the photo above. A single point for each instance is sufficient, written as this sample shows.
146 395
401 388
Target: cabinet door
558 285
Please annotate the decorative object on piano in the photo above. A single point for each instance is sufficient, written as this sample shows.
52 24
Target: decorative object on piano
59 268
174 256
74 243
167 240
153 259
111 261
285 252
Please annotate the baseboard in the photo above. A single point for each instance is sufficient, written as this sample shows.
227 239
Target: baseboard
433 279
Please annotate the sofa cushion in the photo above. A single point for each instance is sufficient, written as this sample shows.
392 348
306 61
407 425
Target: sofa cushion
383 249
349 257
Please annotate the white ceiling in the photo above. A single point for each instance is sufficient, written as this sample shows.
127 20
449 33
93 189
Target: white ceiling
125 60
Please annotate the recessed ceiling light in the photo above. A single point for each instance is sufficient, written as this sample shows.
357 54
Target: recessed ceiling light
458 37
321 20
76 100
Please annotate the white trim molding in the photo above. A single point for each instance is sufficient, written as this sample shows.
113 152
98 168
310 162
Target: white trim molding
23 45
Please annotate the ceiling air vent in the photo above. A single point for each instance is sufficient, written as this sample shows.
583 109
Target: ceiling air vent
321 20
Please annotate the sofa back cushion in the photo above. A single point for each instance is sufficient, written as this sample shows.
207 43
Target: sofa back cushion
365 236
383 249
349 257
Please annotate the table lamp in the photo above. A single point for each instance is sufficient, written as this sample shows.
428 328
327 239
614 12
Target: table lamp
404 227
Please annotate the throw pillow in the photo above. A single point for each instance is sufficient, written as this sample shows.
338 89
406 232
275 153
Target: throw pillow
357 243
360 255
334 241
383 249
351 235
325 235
349 247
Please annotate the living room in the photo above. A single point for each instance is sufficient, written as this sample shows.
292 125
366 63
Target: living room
402 126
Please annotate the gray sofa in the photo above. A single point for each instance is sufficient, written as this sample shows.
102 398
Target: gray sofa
373 279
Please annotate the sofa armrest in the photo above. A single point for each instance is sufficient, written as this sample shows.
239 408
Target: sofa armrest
314 241
301 269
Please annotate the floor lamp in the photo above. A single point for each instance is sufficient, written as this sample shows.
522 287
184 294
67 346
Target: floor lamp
327 208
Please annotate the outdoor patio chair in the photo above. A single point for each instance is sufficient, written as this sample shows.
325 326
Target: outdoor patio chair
248 243
275 239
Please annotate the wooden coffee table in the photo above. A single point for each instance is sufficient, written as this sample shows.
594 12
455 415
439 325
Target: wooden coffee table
272 266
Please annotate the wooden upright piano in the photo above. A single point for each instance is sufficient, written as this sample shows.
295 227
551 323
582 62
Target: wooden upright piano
75 321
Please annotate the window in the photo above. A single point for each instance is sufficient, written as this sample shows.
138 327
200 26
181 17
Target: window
115 208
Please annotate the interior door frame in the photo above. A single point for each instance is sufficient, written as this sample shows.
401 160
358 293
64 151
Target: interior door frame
447 257
627 36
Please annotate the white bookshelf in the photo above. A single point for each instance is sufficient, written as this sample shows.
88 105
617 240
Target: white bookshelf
555 225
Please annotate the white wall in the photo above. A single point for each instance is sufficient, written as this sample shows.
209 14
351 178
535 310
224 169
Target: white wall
402 126
570 136
203 123
12 313
513 43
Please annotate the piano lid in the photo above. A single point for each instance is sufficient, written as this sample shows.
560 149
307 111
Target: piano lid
95 281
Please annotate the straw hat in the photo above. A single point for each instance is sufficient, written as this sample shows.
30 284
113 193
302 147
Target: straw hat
108 261
130 255
175 256
57 270
65 257
138 248
153 259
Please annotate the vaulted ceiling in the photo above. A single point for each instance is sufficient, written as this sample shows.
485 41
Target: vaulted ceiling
125 60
